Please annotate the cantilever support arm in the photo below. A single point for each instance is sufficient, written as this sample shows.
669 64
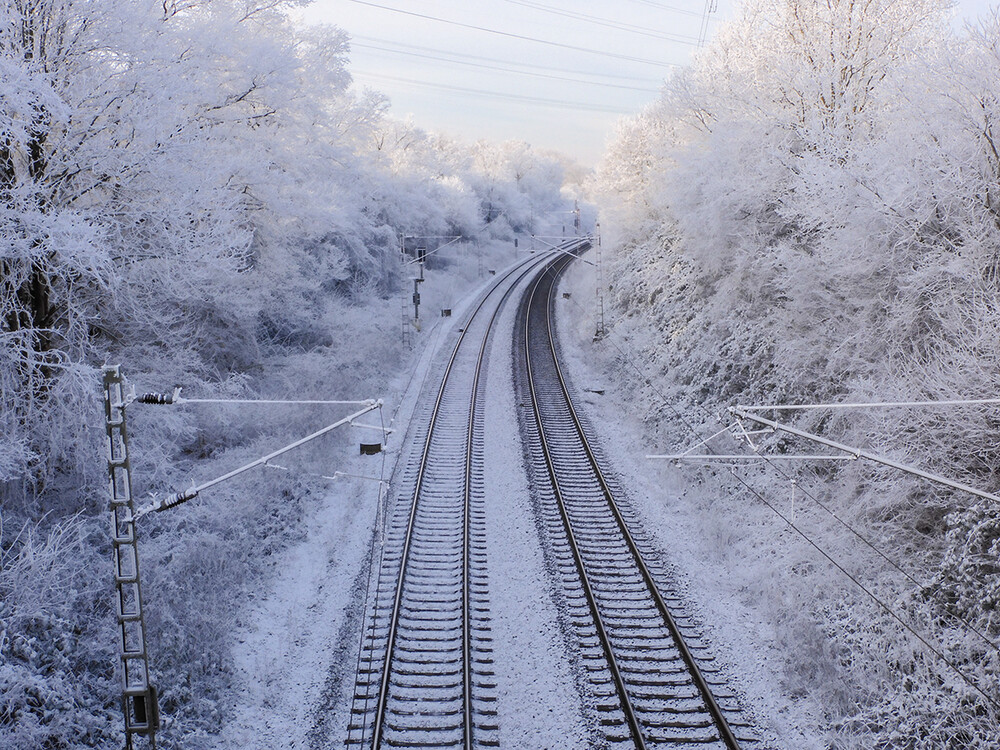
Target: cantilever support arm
454 238
744 413
183 496
561 249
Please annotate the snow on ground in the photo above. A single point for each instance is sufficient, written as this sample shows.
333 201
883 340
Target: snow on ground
537 700
295 639
285 653
688 517
294 635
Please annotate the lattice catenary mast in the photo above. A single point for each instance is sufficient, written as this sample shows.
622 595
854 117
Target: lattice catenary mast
138 693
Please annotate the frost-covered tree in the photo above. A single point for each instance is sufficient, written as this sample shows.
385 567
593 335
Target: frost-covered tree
811 217
131 158
743 156
191 188
514 185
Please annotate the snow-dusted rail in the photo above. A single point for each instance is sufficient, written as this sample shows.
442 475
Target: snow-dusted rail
425 675
651 677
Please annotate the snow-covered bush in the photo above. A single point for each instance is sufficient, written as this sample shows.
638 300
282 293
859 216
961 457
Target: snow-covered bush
57 685
193 190
808 215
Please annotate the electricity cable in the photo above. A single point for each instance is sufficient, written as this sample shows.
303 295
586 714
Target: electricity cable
608 23
888 609
175 398
428 253
536 100
485 66
710 7
819 549
177 498
560 45
664 6
923 587
868 543
452 56
876 405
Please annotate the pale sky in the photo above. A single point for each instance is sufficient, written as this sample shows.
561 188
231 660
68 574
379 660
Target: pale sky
555 73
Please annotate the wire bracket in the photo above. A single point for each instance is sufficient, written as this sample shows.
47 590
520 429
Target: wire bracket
858 453
177 498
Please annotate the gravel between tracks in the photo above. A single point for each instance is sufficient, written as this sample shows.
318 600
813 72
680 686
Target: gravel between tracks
290 644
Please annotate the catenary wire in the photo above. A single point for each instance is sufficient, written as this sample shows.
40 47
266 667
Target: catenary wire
498 68
710 7
539 101
607 23
876 405
664 6
887 608
871 545
589 50
453 56
921 586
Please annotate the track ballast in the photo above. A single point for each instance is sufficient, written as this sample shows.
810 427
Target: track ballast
426 676
651 678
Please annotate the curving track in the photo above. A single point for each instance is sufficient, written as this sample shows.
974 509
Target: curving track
651 687
425 673
425 678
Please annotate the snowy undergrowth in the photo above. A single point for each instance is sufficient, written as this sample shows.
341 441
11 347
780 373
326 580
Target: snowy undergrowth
194 191
808 216
704 346
206 565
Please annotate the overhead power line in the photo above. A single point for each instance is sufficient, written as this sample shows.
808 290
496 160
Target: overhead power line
536 100
376 43
560 45
671 8
451 61
711 6
608 23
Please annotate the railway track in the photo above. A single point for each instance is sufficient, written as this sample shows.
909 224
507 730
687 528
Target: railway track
651 678
425 677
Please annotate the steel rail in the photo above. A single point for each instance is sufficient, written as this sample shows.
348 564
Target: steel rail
715 710
525 268
602 634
